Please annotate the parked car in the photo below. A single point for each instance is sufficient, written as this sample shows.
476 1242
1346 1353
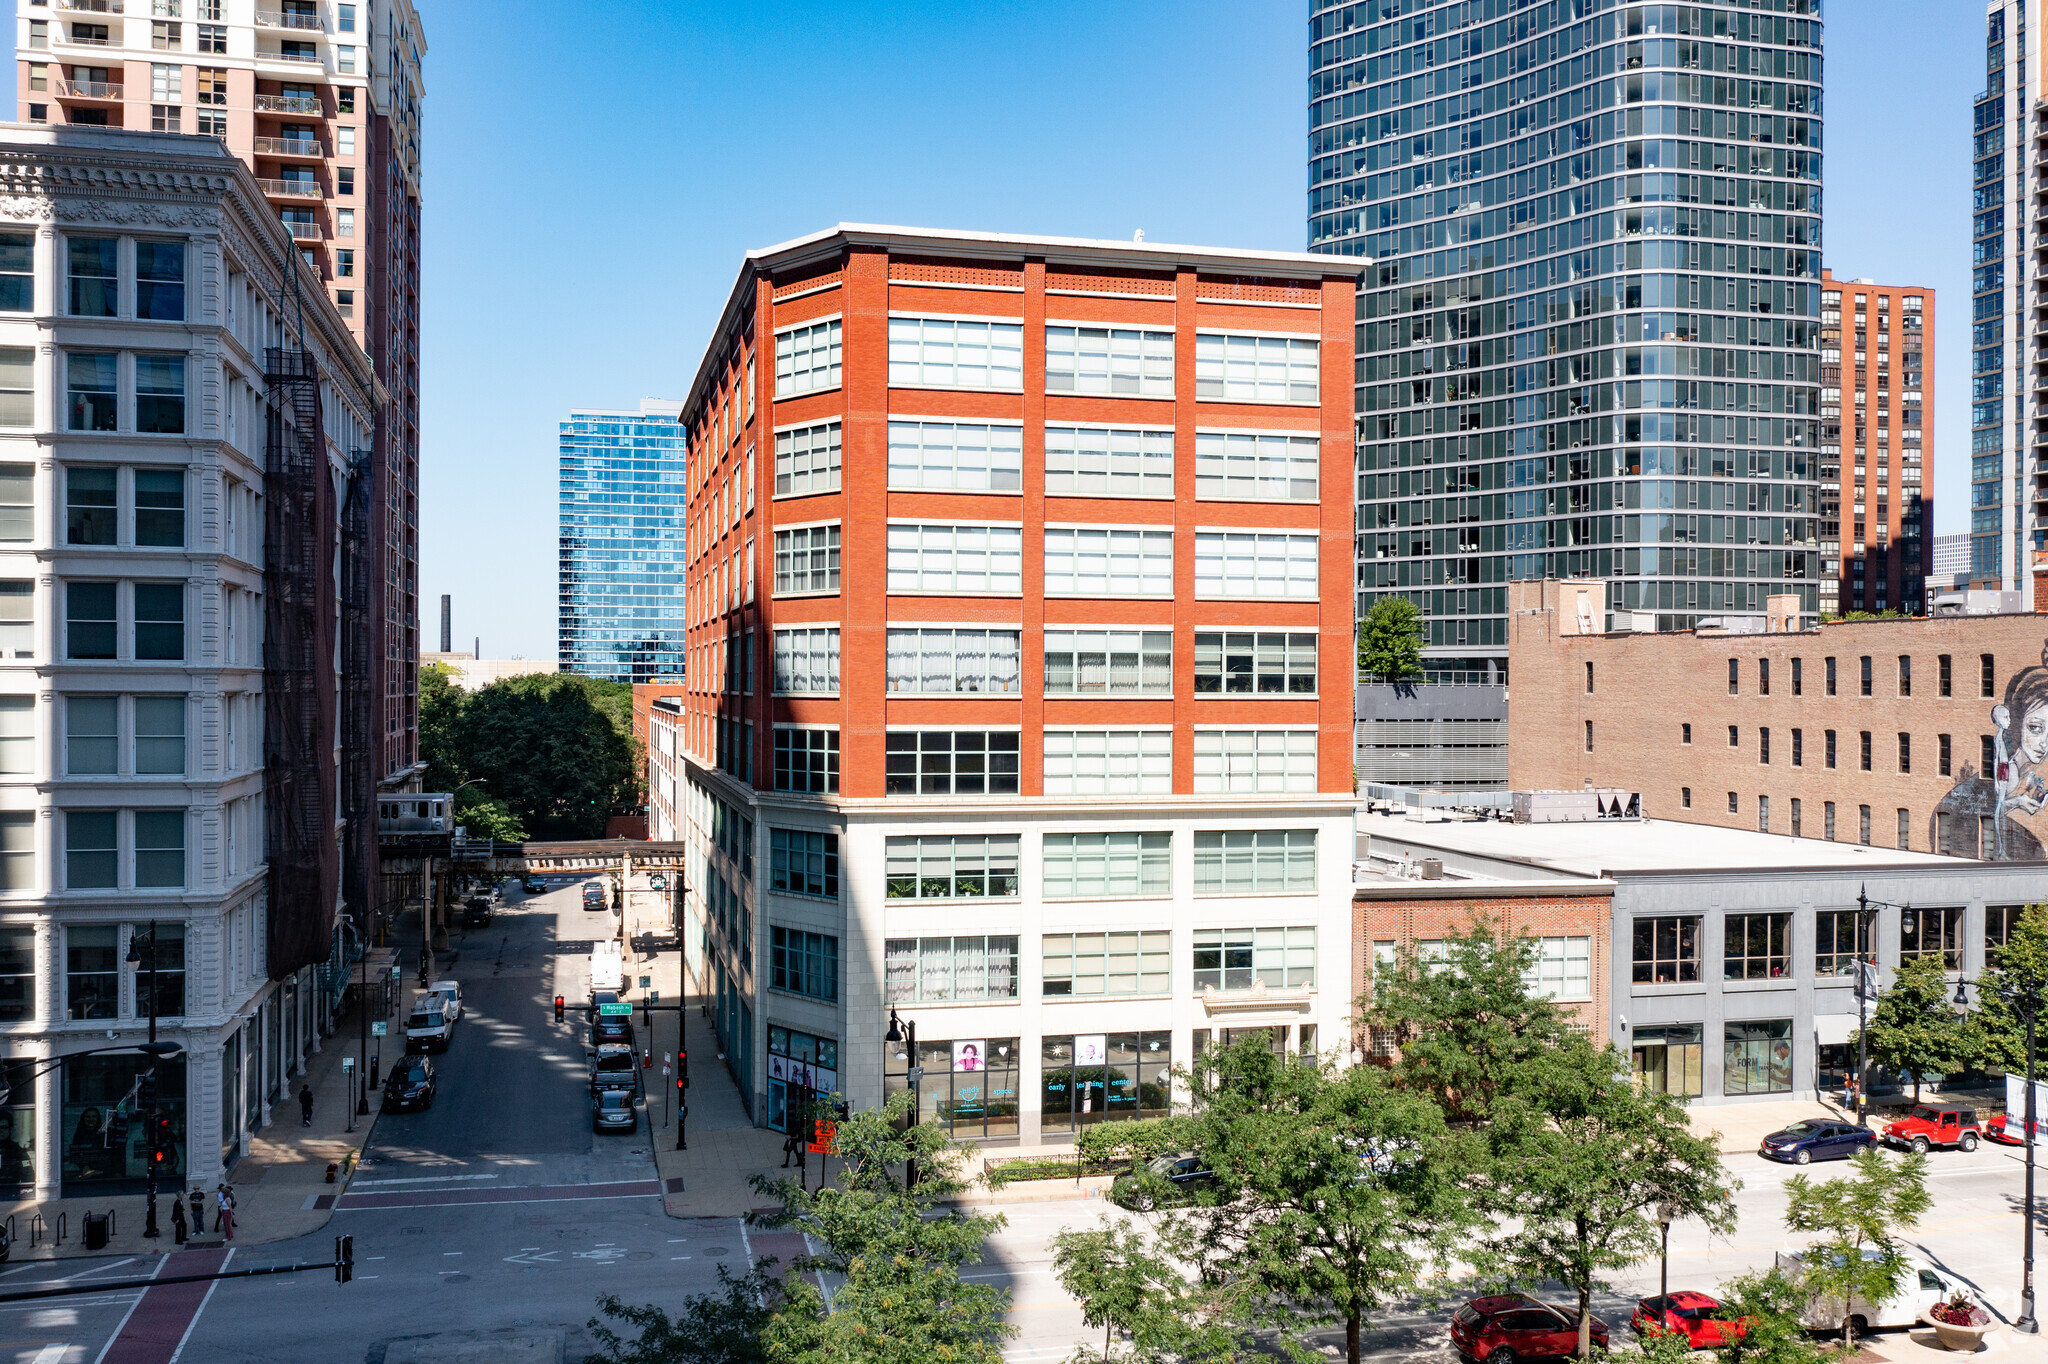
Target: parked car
1695 1316
1509 1326
611 1028
593 895
1927 1125
2009 1131
1920 1287
616 1067
411 1084
1162 1181
611 1110
429 1027
1816 1139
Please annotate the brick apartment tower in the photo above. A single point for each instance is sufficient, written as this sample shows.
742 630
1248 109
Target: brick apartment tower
322 101
1877 400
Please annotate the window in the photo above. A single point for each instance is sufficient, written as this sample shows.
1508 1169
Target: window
950 762
345 20
1667 951
1106 864
92 275
1987 838
17 618
89 381
92 736
166 37
1944 756
1100 461
1932 933
1999 923
39 33
1734 737
1256 369
1763 814
345 181
345 263
1255 862
1757 1057
1987 753
807 660
160 847
1562 969
956 456
807 359
1088 964
1798 676
1799 748
1685 797
165 118
807 460
807 760
1830 668
955 660
159 507
17 851
1734 676
160 735
947 867
1863 824
1236 958
1100 762
1246 565
1985 683
160 394
1256 663
92 973
17 272
1944 681
1905 752
160 620
89 506
1589 736
160 281
1763 677
1829 738
1864 750
1589 679
1828 820
1107 1077
959 560
170 970
807 559
17 735
1796 827
1685 734
1838 942
803 963
213 89
344 222
1243 466
90 859
1763 745
1756 946
17 975
934 970
1108 563
1122 361
1255 760
804 863
344 99
1905 831
1865 675
1109 663
89 620
1905 674
931 352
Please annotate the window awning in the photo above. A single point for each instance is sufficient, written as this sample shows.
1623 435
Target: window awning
1832 1030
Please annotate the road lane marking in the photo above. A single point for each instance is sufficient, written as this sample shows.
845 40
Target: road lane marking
51 1354
423 1179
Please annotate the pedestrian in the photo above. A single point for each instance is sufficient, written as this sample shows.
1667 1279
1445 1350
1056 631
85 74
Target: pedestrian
305 1104
224 1215
791 1147
179 1229
198 1198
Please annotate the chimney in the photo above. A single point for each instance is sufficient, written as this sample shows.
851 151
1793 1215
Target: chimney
447 624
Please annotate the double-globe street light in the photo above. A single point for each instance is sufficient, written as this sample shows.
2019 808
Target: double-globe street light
906 1033
2023 997
142 952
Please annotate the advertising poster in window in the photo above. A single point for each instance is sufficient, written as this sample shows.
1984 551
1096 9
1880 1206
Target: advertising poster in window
969 1056
1090 1050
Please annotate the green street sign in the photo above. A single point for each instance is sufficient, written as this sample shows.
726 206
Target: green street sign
377 1029
616 1010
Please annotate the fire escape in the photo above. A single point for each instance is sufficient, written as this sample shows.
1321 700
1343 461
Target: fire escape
361 698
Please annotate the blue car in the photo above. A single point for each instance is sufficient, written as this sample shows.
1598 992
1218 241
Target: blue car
1816 1139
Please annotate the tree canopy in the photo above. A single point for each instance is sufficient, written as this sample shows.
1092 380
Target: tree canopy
1390 640
551 755
2018 969
1916 1026
1858 1218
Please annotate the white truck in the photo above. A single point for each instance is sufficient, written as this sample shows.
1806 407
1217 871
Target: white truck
607 967
1921 1286
431 1024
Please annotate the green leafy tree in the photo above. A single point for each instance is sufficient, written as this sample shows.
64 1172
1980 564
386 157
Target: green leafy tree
1390 640
1859 1257
542 745
1770 1307
440 719
1582 1157
1129 1290
2019 967
1916 1027
1464 1021
487 817
711 1328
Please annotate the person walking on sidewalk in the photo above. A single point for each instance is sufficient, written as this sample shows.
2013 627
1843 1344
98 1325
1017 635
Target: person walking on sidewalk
224 1214
198 1198
305 1104
179 1229
791 1147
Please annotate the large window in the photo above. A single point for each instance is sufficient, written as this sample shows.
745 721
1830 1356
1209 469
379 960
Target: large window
1255 862
89 620
1108 964
1756 946
807 660
1119 360
934 970
1236 958
160 620
968 1088
1932 933
1232 760
92 973
170 971
17 850
1249 565
1108 662
1262 663
17 977
807 559
1666 1057
17 618
947 867
160 735
950 762
932 352
955 659
1081 561
1105 1077
1562 969
1246 466
956 456
1256 369
1667 951
17 272
1839 941
17 496
92 736
17 386
160 280
17 735
807 760
89 510
1100 461
93 399
1999 923
803 862
159 507
807 359
803 963
160 847
1757 1057
807 460
1108 864
92 276
961 560
1103 762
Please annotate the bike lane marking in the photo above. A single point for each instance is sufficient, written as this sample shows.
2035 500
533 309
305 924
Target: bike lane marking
157 1325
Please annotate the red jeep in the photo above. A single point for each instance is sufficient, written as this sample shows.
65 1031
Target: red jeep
1926 1125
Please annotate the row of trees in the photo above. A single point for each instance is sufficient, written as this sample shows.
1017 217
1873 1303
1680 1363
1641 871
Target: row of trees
1917 1026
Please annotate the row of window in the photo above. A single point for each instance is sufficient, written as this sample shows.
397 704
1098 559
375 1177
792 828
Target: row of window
94 280
984 966
98 387
1866 676
1081 762
1944 748
1561 967
934 352
957 660
1667 949
92 972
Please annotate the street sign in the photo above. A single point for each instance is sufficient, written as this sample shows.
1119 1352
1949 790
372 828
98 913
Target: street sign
823 1134
615 1010
916 1074
653 996
657 882
377 1029
645 981
348 1065
394 970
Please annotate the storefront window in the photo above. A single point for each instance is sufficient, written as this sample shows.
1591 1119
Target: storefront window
1757 1058
802 1068
1105 1078
1667 1058
18 1128
969 1087
95 1088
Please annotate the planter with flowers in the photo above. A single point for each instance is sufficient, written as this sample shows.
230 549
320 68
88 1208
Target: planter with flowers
1961 1322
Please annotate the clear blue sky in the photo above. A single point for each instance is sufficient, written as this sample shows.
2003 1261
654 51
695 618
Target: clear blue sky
595 171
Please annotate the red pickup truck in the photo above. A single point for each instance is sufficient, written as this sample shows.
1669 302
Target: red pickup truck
1928 1125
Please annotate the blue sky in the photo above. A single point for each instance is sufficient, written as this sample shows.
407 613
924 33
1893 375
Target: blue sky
595 171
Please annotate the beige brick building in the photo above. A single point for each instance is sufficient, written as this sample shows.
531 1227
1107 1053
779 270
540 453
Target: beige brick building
1923 734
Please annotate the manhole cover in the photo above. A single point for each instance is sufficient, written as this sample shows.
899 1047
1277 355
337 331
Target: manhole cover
455 1278
716 1250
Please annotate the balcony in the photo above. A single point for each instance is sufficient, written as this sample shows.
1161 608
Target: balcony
89 90
270 18
93 6
305 232
290 104
290 189
90 39
309 58
306 148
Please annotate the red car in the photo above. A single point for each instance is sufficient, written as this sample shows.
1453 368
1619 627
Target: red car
2007 1131
1692 1315
1507 1327
1928 1125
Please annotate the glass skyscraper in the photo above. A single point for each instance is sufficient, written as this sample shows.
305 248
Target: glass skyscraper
2004 519
1589 345
621 570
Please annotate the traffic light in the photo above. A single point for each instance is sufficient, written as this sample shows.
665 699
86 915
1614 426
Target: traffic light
146 1095
559 1006
160 1152
117 1128
344 1259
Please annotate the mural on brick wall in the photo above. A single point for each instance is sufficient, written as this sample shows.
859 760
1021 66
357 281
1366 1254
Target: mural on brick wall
1999 814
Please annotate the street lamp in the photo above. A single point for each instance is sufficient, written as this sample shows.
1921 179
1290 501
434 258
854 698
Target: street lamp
906 1033
2023 997
1667 1213
1866 978
142 949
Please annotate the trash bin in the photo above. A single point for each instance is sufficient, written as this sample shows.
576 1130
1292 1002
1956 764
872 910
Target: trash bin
96 1231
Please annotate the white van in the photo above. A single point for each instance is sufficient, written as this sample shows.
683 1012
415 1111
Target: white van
429 1026
607 967
1921 1286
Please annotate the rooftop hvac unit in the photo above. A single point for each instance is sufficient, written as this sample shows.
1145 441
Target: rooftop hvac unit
1577 807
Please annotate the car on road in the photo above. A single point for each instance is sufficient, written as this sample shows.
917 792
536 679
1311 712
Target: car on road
611 1028
593 895
1816 1139
615 1067
1929 1125
1695 1316
411 1084
1509 1326
430 1026
1161 1182
476 912
532 885
611 1110
1921 1286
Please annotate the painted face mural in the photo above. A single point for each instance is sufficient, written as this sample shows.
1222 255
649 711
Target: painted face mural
2002 813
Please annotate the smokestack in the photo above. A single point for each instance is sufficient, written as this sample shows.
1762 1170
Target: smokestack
476 650
447 624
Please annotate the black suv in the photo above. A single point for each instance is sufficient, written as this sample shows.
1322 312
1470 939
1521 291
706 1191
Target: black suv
606 1029
411 1084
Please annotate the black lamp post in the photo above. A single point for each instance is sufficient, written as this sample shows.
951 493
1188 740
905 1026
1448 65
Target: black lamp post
2024 999
906 1033
142 949
1866 977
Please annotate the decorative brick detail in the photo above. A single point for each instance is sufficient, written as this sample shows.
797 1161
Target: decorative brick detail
924 270
1108 282
1253 289
786 288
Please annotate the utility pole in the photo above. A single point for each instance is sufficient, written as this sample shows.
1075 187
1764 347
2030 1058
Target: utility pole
363 1017
148 945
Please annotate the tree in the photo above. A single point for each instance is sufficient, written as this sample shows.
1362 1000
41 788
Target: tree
1583 1157
1390 640
1770 1307
440 716
1464 1021
1859 1258
712 1328
486 816
1916 1028
2019 967
541 744
1128 1290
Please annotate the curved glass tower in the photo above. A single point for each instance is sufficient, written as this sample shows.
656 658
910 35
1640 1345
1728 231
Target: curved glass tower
620 576
1591 342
